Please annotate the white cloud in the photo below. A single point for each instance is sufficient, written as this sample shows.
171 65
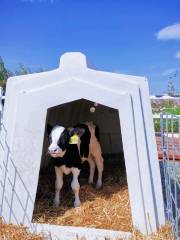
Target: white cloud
178 54
169 32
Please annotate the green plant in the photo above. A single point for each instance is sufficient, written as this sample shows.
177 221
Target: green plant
169 126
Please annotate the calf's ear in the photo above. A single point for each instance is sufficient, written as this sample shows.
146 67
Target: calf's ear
49 129
79 131
70 131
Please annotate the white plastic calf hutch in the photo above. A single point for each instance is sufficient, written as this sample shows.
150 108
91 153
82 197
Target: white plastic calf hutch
29 97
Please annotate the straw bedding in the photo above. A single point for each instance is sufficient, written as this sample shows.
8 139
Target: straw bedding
164 233
12 232
107 208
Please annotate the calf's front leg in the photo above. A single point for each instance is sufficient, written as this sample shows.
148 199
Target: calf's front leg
58 185
75 186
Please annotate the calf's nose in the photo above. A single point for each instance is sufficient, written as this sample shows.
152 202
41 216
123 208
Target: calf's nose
52 150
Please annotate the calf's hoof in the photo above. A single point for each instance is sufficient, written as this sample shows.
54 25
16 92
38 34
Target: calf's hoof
90 182
77 204
56 204
98 185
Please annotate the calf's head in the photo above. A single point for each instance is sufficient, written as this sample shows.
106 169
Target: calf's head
59 138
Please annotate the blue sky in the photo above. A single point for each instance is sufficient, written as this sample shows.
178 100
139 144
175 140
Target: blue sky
127 36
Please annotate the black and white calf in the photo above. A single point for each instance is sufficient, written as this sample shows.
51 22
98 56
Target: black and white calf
68 156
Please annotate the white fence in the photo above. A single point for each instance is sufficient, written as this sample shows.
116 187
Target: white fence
170 166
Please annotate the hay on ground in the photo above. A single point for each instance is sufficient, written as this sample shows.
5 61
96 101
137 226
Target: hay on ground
13 232
164 233
107 208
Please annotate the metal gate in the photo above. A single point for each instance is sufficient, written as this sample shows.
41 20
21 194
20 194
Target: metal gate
170 166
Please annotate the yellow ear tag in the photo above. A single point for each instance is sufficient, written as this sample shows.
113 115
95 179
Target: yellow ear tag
74 139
